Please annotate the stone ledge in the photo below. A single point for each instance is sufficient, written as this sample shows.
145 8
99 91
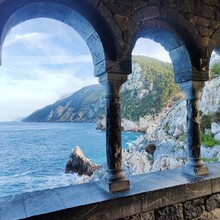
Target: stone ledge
89 201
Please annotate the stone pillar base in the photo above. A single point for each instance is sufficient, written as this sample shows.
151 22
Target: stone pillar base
201 171
198 171
115 186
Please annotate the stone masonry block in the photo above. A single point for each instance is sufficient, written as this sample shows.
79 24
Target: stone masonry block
213 202
80 24
96 48
12 208
163 197
198 189
174 212
142 216
193 209
150 12
215 185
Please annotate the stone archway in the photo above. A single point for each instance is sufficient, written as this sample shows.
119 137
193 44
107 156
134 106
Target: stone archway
188 74
84 18
176 49
96 33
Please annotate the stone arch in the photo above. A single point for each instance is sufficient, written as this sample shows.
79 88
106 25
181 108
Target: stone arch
176 49
177 35
178 52
81 16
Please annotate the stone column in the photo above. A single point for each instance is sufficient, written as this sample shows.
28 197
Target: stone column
114 179
192 91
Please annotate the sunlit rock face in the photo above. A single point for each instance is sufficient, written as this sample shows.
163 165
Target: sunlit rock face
173 121
79 164
210 100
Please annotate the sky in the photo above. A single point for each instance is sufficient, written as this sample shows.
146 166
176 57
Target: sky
44 60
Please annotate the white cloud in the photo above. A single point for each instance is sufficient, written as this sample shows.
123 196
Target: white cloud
19 99
27 38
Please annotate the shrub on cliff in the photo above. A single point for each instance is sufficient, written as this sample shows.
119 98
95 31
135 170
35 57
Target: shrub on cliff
215 69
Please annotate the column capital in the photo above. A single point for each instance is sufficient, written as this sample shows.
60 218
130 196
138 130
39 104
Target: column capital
192 89
112 82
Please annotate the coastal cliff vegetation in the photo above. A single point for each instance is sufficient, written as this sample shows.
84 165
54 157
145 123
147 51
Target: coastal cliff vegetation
147 91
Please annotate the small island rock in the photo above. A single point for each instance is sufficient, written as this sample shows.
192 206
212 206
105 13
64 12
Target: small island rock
79 164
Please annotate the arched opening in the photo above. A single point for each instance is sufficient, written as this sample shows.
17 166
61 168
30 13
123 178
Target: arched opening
191 82
153 95
46 57
13 14
90 30
44 60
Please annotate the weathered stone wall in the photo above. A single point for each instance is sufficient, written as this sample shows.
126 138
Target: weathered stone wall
205 208
194 22
189 29
165 195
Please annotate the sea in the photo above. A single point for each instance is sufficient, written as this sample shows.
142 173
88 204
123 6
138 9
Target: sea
33 155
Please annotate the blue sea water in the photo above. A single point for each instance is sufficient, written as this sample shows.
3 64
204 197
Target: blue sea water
33 155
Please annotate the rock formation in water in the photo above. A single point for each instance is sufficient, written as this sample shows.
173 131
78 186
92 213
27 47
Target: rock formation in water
79 164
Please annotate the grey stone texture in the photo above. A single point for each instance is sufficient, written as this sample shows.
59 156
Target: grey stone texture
161 195
194 209
192 90
213 202
174 212
114 179
111 28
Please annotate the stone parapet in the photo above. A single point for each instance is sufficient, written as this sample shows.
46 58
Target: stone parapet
151 196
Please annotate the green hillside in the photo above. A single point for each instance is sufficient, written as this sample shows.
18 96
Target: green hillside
149 87
156 73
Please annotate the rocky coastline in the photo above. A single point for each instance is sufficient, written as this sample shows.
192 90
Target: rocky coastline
163 144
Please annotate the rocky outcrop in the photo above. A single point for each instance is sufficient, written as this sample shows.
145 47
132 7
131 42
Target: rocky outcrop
215 129
171 123
169 134
134 162
79 164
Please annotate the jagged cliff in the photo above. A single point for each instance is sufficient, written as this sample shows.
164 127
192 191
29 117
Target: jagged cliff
147 90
